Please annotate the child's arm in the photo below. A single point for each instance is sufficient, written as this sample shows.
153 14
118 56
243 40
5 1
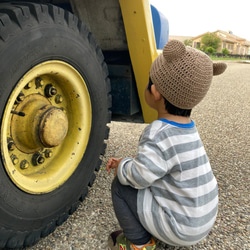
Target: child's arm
149 164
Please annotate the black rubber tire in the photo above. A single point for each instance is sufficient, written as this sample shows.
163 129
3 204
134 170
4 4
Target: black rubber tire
32 33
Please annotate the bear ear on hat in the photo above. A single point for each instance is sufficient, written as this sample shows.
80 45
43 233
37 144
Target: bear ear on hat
219 68
173 49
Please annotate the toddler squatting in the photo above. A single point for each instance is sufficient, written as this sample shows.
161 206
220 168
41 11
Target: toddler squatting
168 190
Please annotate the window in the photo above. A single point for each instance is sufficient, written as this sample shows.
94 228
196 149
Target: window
238 50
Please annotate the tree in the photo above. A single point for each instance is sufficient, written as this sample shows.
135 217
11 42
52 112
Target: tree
188 42
225 52
210 40
210 50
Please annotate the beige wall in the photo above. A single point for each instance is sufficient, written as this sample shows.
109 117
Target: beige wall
234 44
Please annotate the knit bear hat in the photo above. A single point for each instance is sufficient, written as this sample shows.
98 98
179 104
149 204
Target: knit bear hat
183 74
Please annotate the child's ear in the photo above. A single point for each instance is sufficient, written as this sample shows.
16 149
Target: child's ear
157 95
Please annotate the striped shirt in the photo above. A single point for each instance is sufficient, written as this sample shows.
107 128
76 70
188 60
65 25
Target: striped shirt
177 191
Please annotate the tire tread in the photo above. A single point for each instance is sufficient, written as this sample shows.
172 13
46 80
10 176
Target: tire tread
18 16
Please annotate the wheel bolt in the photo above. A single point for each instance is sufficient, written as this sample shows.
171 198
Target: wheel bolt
28 85
14 159
50 90
24 164
39 82
48 153
37 159
11 146
20 97
58 99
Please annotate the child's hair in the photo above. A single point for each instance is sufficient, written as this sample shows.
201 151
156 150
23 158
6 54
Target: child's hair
176 111
171 109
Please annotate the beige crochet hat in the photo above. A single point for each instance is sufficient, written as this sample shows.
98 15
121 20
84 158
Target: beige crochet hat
183 74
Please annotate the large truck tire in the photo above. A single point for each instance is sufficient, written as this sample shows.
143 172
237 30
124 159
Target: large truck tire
54 107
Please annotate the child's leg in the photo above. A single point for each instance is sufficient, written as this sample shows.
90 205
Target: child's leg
125 205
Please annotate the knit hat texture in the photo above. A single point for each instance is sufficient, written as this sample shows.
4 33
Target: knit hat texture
183 74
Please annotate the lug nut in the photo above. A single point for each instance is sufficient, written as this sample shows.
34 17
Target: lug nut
58 99
48 153
20 97
14 159
50 90
37 159
28 85
24 164
11 146
40 160
39 82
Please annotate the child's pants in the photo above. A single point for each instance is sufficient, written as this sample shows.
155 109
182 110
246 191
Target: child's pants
125 205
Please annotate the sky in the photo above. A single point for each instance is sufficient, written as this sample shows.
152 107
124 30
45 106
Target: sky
195 17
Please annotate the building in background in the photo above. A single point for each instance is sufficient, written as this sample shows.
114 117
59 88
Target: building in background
234 44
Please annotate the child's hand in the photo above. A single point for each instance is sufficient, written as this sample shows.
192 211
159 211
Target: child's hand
113 163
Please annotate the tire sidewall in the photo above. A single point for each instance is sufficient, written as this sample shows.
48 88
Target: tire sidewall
27 49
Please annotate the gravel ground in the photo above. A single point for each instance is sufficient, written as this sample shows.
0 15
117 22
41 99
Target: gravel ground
223 123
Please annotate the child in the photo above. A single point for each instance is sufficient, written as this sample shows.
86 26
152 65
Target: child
168 189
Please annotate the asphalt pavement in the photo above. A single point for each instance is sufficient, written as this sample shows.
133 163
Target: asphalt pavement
223 120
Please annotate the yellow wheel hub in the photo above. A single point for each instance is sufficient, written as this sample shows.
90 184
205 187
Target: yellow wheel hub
46 127
49 124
